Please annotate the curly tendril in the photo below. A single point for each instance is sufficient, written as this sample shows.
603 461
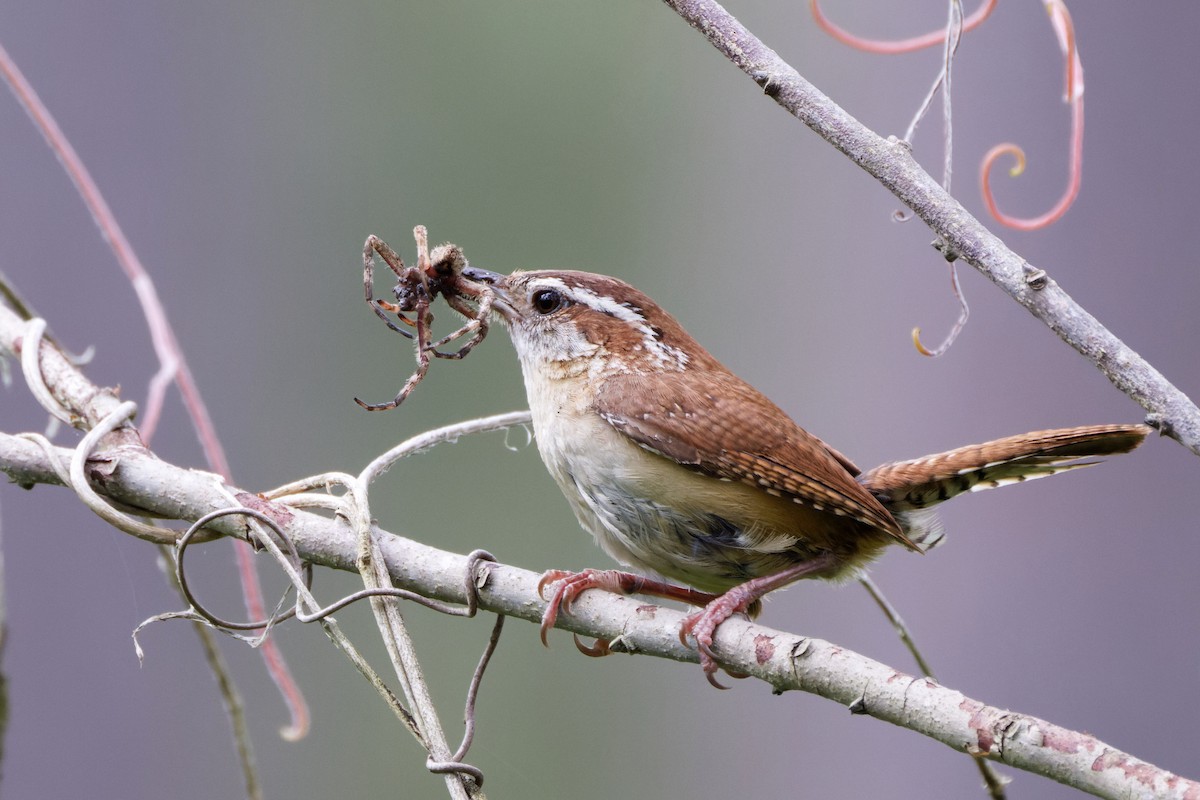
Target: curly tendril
1064 30
896 47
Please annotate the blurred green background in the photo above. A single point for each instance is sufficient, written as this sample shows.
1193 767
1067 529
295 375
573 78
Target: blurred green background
249 149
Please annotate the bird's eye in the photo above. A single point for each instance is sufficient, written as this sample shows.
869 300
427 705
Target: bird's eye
547 301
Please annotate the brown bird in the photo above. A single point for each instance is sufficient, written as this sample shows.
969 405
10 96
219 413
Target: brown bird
678 467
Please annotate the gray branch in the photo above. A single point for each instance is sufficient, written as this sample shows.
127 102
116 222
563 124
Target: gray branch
784 660
128 474
891 163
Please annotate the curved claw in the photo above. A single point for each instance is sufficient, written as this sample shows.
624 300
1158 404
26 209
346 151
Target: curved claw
706 650
550 615
598 650
548 619
708 659
701 626
711 676
570 586
551 576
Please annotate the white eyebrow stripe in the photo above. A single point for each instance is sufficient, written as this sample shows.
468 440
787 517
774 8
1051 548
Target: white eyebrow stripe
607 305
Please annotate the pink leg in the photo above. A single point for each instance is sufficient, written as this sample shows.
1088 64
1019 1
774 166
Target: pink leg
703 624
569 585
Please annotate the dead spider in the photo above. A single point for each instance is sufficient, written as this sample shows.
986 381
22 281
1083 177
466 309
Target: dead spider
415 291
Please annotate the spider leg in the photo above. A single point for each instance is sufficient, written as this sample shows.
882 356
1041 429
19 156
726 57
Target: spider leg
380 306
477 323
415 290
422 348
390 257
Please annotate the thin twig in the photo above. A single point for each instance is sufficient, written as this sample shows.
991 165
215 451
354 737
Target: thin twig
353 506
230 696
289 563
462 780
403 654
952 36
893 616
173 366
171 361
992 781
954 31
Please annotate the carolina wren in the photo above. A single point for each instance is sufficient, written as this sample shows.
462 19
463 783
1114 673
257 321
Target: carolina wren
678 467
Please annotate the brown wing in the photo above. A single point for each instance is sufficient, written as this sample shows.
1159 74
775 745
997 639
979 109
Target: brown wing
746 438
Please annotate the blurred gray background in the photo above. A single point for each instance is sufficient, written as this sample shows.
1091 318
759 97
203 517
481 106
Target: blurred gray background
248 149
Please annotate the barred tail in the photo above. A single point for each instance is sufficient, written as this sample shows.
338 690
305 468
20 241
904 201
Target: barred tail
909 486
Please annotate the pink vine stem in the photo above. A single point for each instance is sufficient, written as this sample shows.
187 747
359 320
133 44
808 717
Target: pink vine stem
896 47
1060 19
173 366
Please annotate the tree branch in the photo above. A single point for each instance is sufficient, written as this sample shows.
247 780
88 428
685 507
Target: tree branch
132 476
784 660
891 163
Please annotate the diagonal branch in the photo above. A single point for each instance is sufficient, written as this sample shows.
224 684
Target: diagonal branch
961 234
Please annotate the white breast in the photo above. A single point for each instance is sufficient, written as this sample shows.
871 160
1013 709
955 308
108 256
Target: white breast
579 450
646 511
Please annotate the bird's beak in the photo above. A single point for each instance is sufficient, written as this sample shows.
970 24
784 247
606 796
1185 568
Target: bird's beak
482 275
499 286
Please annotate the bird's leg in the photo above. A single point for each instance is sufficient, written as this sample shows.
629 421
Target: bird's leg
703 624
569 585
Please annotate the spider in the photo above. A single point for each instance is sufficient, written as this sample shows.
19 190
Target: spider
415 292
